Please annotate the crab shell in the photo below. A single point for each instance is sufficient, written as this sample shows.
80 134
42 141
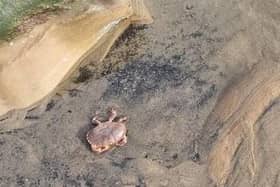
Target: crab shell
107 135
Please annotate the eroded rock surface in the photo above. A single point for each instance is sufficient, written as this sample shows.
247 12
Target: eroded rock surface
35 64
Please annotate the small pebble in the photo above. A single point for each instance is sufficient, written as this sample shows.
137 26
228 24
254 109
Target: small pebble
145 155
196 157
175 156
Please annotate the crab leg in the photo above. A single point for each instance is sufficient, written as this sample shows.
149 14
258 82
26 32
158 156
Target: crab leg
122 142
113 115
123 119
95 120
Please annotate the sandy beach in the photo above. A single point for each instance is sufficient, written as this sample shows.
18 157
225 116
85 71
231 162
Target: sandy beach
167 78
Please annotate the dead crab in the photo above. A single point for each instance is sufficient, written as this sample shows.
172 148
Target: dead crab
108 134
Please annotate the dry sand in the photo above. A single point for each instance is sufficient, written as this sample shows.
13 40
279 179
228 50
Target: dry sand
203 68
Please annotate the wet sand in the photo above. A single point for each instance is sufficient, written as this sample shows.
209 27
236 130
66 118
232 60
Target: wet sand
167 78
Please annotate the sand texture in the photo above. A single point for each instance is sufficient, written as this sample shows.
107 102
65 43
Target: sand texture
201 89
